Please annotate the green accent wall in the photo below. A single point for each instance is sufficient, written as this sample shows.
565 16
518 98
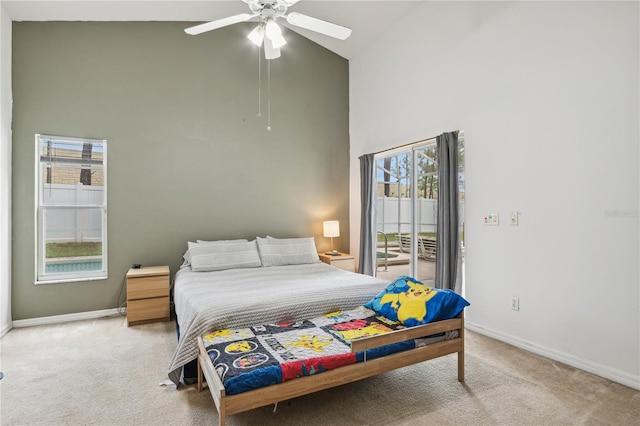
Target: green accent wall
188 157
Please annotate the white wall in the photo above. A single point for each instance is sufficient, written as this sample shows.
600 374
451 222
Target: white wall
547 94
5 172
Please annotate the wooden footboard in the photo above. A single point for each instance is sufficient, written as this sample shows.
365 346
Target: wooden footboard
232 404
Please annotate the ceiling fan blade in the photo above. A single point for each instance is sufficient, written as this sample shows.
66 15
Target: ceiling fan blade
318 25
289 3
270 52
214 25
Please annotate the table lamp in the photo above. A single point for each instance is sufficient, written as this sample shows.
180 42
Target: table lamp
331 228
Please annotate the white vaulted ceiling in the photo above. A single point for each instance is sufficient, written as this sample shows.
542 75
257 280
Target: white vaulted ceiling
368 19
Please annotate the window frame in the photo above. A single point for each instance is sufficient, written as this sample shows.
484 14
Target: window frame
41 276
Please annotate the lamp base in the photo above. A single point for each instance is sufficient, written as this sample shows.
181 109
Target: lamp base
332 253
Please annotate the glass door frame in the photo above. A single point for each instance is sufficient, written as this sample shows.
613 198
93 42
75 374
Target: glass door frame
412 149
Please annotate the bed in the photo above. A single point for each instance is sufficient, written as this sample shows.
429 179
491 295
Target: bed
285 283
236 285
272 382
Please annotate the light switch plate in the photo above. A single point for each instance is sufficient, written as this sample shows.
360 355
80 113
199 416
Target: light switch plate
514 218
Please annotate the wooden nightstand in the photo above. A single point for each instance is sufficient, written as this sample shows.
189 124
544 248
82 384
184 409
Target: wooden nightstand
343 261
147 295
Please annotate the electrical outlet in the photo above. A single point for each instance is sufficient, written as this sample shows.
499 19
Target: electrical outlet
515 303
491 219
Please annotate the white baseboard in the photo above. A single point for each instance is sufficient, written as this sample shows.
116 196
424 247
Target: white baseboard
65 318
5 329
592 367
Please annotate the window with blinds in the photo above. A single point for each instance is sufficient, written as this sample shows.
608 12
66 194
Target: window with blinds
71 209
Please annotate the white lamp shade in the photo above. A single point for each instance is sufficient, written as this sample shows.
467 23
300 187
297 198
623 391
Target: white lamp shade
270 52
331 228
273 33
257 35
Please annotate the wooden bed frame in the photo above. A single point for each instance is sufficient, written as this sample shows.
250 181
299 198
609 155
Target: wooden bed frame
232 404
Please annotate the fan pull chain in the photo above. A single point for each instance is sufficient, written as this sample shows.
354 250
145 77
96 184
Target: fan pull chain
259 81
268 95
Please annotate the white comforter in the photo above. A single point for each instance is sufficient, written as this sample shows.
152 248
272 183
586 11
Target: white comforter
206 301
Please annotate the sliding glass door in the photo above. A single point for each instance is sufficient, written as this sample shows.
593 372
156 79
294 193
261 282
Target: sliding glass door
406 211
393 207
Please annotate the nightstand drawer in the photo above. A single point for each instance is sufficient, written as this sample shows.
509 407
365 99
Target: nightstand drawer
146 287
148 294
148 310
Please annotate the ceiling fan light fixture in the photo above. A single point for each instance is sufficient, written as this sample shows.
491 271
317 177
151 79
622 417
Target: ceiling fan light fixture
278 42
268 33
257 35
274 34
270 51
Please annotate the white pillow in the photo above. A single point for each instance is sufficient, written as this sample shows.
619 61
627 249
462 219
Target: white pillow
240 240
287 251
216 257
190 244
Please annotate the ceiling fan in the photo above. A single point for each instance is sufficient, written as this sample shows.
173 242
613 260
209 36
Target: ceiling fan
268 31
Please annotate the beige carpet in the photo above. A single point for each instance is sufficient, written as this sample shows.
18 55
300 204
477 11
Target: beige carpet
102 372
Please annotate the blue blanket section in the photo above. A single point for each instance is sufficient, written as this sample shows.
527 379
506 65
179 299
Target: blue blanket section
386 350
254 380
272 374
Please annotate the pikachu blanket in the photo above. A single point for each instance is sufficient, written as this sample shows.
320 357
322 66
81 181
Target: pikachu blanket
254 357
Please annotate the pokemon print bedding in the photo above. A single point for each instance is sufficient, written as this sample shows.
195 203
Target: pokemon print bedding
254 357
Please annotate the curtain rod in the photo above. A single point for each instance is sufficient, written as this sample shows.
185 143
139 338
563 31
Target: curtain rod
409 144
